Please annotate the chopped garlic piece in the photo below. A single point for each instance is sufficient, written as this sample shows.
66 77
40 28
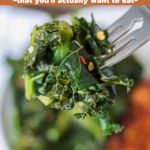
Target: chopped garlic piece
31 49
101 35
45 100
91 66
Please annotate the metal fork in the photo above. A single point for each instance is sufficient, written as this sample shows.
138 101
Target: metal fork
125 44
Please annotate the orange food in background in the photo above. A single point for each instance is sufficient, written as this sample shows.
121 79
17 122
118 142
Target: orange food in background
136 133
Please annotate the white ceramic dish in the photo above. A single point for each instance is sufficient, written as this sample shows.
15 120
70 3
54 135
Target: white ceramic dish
104 15
15 28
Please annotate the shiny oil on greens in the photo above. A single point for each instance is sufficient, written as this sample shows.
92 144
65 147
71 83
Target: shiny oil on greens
61 70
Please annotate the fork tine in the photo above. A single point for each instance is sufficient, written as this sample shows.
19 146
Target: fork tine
124 30
124 24
112 28
128 43
124 49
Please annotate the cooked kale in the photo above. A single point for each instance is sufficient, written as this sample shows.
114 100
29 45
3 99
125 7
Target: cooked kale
37 127
61 70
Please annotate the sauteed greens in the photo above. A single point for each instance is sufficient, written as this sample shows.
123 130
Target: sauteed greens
62 70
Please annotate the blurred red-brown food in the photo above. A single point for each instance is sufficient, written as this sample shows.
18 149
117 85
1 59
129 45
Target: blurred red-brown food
136 133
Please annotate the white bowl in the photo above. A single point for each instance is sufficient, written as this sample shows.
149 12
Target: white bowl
104 16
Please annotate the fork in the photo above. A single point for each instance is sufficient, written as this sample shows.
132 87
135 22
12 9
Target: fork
126 42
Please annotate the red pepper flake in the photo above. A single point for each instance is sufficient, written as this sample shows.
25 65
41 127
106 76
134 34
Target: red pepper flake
83 60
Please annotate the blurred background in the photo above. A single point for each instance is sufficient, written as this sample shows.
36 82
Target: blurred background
31 126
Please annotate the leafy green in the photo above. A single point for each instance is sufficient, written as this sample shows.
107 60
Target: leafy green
37 127
61 70
77 72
